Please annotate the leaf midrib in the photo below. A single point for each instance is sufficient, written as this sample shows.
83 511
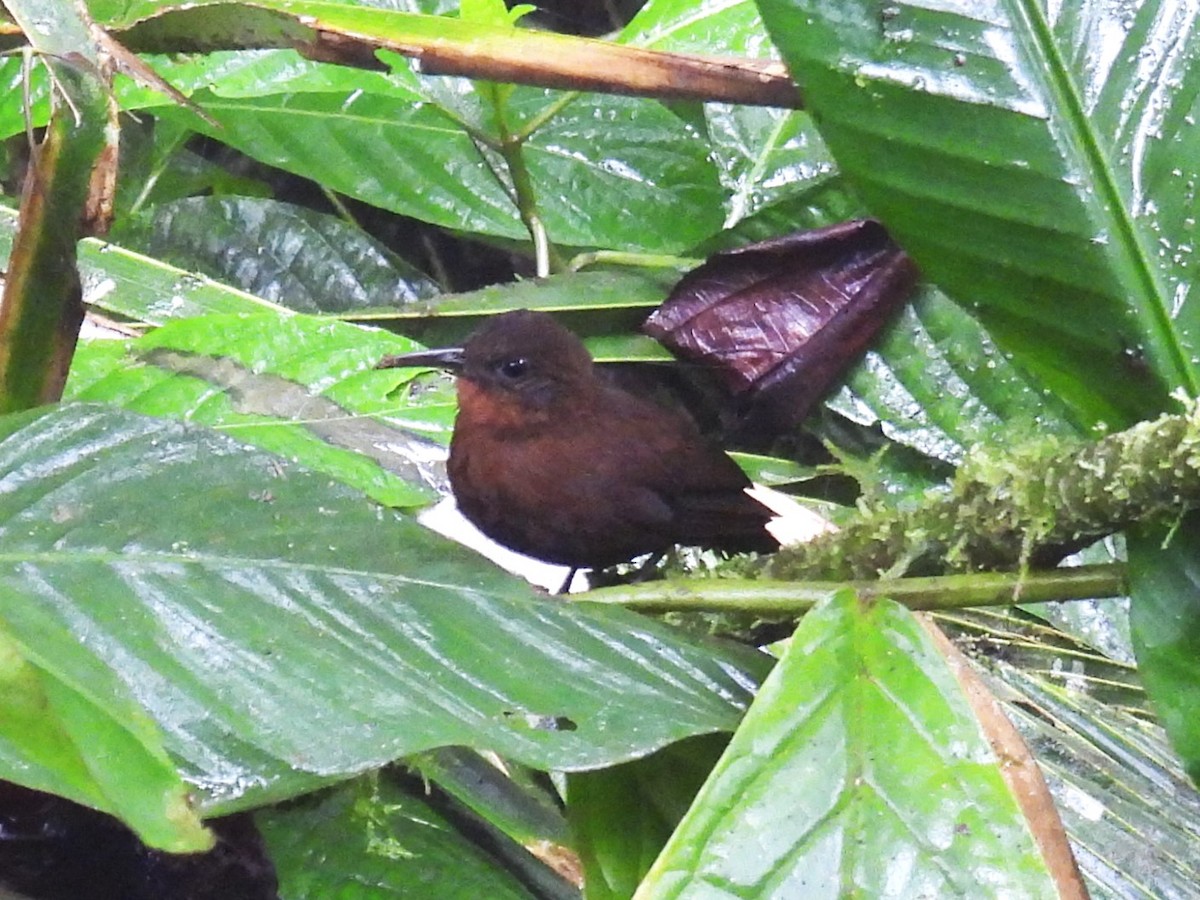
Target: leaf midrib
1148 304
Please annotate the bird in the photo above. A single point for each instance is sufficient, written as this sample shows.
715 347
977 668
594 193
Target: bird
553 459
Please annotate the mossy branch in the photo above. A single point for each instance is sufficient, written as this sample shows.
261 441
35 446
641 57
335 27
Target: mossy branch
1008 508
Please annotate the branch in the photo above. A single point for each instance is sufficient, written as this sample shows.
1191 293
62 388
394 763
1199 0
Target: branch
1008 508
789 600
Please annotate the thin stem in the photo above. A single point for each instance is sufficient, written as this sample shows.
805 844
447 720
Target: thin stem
341 208
548 112
773 598
156 172
526 199
623 258
511 148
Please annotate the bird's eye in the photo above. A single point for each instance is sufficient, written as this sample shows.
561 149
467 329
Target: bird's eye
514 368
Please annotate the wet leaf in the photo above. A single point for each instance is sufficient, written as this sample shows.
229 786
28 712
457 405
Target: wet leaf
858 769
283 632
298 386
88 741
1131 814
1038 163
146 290
286 254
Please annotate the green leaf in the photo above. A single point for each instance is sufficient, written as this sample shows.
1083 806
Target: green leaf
138 287
859 770
409 144
1131 815
764 156
1164 619
591 302
1037 164
298 386
283 632
622 816
88 742
370 839
936 381
300 259
638 289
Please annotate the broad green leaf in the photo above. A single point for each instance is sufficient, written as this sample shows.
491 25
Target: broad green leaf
370 839
598 302
936 381
286 254
1164 619
407 157
88 742
636 289
1037 162
859 770
406 144
298 386
283 632
595 185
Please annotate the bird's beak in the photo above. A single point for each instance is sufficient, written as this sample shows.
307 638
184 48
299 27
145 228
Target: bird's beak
450 359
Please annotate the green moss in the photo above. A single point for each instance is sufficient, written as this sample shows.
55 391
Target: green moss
1006 510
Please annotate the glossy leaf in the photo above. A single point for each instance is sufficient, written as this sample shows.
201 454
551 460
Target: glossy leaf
144 289
937 382
403 148
1035 162
859 769
283 632
627 184
589 302
300 259
1132 817
630 288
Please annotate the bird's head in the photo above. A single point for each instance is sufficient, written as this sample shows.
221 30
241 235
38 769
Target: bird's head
518 361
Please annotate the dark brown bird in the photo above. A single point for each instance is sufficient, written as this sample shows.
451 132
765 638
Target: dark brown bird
552 459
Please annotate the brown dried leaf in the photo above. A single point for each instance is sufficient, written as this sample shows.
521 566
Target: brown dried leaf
780 320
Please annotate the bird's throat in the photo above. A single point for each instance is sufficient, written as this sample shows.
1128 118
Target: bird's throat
496 411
